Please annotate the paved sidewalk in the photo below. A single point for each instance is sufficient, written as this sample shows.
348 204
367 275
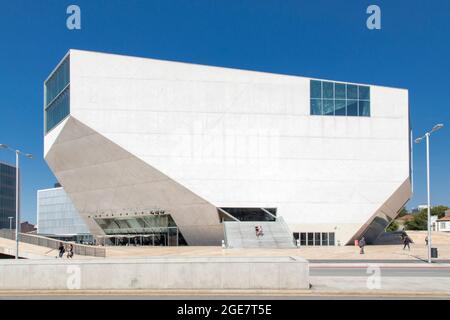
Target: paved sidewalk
335 254
342 253
30 251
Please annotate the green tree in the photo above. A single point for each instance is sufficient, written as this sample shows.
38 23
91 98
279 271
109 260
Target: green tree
392 227
439 211
403 212
419 222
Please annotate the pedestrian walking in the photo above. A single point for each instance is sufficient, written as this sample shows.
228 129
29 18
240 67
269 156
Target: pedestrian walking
403 235
406 243
70 251
362 244
259 231
426 241
61 250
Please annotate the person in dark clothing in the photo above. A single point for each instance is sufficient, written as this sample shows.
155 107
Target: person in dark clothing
403 235
406 243
362 244
61 250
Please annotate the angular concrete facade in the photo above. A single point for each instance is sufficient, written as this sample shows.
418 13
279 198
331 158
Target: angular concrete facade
189 139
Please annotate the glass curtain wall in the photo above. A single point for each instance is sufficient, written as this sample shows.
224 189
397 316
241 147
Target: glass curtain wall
7 196
57 214
339 99
141 230
315 238
252 214
57 95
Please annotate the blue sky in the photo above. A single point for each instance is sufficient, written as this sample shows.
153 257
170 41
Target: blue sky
322 39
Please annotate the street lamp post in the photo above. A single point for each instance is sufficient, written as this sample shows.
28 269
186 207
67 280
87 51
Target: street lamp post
10 222
18 153
418 140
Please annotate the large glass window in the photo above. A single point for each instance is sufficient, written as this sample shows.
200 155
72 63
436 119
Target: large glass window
316 106
316 89
340 108
340 89
315 238
250 214
7 195
331 239
328 107
339 99
328 90
352 92
364 101
155 229
310 238
324 238
364 108
302 238
57 82
364 93
57 95
352 108
58 110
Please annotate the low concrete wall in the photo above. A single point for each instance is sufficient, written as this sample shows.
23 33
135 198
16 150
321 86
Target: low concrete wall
41 241
156 273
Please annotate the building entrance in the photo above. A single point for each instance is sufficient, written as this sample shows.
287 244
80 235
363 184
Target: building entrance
138 229
170 237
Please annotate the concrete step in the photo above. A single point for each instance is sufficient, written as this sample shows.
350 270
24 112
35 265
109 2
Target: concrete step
243 235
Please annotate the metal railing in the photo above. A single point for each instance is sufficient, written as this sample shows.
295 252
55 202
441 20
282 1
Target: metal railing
80 249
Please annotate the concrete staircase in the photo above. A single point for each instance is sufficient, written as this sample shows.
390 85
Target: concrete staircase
242 234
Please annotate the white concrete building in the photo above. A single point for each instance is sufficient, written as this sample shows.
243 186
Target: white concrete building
443 224
132 137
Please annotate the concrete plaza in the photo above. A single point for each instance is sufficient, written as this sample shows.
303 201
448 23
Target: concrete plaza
417 253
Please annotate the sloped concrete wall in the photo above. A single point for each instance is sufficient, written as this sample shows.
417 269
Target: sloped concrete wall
157 273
